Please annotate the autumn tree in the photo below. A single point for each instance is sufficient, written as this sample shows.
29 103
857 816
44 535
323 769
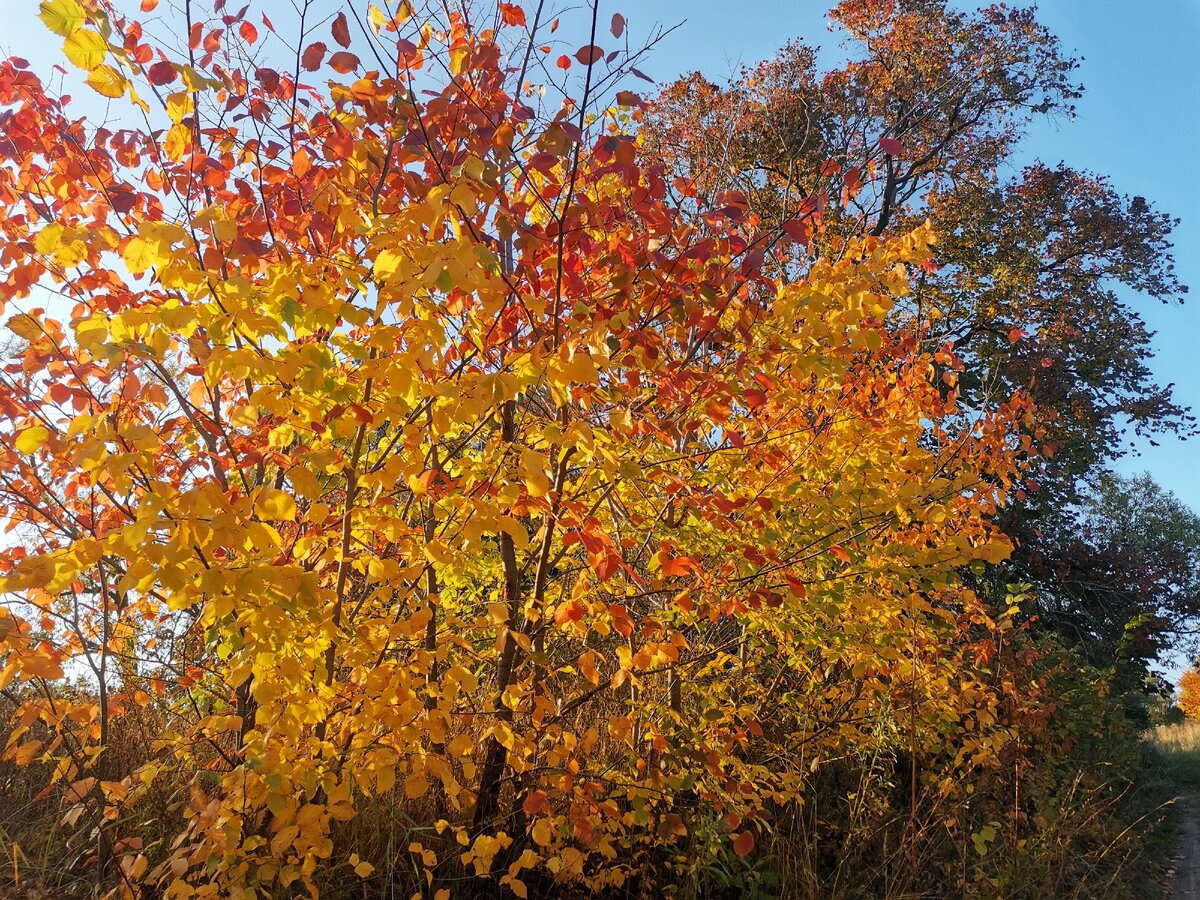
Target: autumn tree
1189 693
387 443
1033 274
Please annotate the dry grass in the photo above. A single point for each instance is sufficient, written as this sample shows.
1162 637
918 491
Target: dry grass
1179 746
1181 738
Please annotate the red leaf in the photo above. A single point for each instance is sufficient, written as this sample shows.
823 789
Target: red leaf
268 78
840 553
891 147
341 30
512 14
797 230
248 32
743 843
589 54
148 5
628 98
618 25
535 802
564 62
343 62
162 73
736 199
642 75
267 22
1015 334
313 56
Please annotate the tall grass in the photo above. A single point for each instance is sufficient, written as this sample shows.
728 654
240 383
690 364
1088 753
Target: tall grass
1179 747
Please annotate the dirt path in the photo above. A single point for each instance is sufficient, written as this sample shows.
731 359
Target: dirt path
1185 885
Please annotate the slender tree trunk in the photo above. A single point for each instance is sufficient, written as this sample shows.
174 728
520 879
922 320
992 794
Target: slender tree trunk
491 774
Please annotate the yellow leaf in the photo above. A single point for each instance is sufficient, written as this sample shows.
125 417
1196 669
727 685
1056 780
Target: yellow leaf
92 330
376 17
542 832
387 262
32 439
277 505
107 81
25 325
139 255
48 239
138 101
284 839
415 786
85 48
179 105
62 16
177 141
364 870
536 482
139 866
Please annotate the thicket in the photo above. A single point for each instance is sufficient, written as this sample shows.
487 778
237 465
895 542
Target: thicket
435 469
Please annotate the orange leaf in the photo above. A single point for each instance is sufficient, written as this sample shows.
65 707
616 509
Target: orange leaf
571 611
343 62
248 32
512 14
679 566
743 843
535 802
301 162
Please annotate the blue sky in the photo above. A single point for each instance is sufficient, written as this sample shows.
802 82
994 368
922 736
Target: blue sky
1138 123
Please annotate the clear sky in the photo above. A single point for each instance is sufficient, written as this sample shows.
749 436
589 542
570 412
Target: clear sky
1139 123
